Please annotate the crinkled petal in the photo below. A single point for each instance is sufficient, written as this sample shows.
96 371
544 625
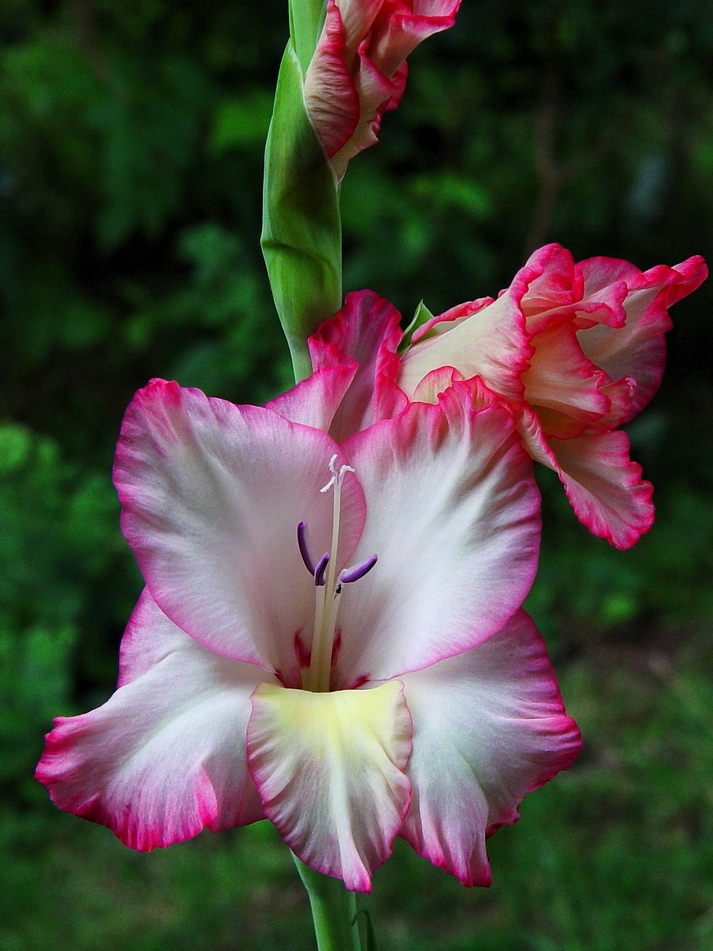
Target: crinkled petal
453 514
373 45
552 286
330 770
604 486
435 383
212 494
358 70
402 26
559 293
365 330
488 726
165 756
493 339
638 349
561 378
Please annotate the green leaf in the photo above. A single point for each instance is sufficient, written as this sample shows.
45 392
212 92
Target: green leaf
422 316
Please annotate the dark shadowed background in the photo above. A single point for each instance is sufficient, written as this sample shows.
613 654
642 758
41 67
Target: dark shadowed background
131 139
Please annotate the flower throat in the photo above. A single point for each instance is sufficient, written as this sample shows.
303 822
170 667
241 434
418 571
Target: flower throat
328 587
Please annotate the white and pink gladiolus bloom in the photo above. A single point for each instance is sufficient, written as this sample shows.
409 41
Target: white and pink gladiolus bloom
359 69
576 350
331 634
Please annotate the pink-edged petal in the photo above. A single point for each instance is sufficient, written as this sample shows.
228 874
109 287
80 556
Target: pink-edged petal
212 494
443 322
402 26
358 70
493 339
621 394
489 726
378 94
559 292
604 486
365 330
435 8
165 756
638 349
148 639
330 94
431 387
491 342
453 514
314 401
358 18
561 378
551 287
330 770
435 383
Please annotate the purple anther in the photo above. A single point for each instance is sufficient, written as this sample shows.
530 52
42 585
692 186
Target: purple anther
321 570
358 571
304 547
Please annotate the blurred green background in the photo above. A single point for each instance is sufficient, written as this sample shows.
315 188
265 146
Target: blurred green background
131 139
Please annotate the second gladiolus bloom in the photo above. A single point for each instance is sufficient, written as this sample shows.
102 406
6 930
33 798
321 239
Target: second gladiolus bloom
575 349
331 634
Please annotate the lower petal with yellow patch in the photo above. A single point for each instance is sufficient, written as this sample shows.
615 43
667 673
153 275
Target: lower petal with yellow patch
330 769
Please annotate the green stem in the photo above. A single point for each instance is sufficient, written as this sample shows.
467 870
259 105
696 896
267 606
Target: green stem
333 910
299 355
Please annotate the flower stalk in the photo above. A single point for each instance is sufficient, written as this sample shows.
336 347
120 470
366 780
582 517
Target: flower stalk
333 909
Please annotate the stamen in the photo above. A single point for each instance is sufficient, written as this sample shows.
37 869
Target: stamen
347 575
321 570
304 547
328 588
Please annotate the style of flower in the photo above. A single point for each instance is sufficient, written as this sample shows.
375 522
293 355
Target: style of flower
359 69
577 350
330 635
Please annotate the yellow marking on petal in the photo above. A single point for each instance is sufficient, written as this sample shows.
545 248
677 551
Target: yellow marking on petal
340 724
330 770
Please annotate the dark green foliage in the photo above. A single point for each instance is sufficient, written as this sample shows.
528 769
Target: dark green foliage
131 141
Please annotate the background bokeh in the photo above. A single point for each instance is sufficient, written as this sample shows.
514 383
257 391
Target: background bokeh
131 139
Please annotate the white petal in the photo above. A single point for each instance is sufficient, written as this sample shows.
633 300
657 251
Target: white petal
165 756
453 515
488 727
212 494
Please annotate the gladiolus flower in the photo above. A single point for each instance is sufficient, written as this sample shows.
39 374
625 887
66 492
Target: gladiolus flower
577 350
358 70
330 635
